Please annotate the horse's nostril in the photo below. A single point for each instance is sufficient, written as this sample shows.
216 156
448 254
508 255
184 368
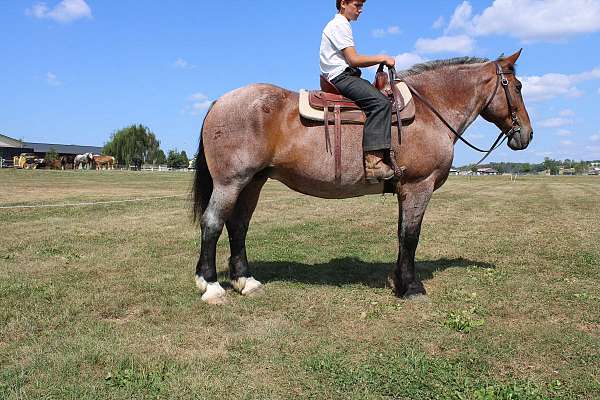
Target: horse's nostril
531 136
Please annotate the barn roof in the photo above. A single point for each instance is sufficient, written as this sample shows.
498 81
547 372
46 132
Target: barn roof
63 148
7 141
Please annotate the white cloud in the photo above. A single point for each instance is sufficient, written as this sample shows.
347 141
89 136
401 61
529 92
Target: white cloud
567 142
52 80
554 123
183 64
198 102
595 137
529 20
381 32
407 60
549 86
564 133
567 112
65 11
461 19
38 10
439 23
394 30
461 44
378 33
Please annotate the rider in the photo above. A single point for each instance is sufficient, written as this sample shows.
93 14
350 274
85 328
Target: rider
340 65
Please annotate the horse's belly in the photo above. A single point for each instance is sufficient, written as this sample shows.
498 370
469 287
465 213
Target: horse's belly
325 188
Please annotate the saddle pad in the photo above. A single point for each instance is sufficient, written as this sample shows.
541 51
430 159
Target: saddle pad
407 114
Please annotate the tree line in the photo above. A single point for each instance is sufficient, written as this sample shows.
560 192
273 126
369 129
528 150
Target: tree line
549 164
136 145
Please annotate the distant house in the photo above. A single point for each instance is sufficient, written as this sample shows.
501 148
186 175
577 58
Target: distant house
10 147
453 171
594 170
487 171
566 171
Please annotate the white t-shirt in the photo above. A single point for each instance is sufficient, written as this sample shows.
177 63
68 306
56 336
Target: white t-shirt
337 35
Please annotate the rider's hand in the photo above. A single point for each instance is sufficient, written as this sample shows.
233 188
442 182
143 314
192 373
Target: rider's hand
389 61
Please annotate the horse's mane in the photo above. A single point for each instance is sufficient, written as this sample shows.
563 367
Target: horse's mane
433 65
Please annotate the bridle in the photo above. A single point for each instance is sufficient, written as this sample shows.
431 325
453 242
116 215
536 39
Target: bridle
500 81
516 124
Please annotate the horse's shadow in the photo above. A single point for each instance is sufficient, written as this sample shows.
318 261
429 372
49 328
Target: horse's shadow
350 270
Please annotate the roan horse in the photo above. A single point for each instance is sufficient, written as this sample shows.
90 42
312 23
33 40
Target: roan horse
255 133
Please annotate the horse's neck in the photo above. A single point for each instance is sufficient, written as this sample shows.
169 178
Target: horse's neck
456 93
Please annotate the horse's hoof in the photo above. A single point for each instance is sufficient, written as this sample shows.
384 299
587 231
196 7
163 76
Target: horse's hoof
247 286
422 297
212 293
415 291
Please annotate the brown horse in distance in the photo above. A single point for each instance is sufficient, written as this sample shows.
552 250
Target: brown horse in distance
101 161
255 133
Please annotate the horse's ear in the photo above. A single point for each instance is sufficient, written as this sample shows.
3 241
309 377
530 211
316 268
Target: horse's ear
512 60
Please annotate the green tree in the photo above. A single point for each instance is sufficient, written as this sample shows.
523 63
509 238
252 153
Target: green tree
581 167
134 145
193 161
551 165
161 158
175 159
51 155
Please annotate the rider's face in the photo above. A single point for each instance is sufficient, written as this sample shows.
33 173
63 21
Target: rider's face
352 9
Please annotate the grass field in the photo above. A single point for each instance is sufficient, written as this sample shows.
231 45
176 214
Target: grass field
99 302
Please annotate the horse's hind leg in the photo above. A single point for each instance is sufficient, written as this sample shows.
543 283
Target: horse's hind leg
220 207
237 228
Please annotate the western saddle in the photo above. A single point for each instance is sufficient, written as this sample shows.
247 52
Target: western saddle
322 102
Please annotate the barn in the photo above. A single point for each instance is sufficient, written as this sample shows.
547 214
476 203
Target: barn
10 147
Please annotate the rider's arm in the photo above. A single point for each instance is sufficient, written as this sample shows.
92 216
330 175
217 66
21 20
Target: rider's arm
360 61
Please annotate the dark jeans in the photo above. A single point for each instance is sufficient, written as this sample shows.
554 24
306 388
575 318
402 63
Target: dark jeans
378 125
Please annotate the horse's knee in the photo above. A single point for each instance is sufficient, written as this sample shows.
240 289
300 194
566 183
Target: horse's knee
211 225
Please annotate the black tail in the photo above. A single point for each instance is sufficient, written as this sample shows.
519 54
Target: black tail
203 183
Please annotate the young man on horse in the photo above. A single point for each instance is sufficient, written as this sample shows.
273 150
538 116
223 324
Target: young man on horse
340 65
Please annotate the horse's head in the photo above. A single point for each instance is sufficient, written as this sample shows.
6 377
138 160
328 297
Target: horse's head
506 109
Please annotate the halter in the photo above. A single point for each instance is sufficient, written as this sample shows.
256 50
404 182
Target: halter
516 125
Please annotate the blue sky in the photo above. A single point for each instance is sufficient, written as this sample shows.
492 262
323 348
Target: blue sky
74 71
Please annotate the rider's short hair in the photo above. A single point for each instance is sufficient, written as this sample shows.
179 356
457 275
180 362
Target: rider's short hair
338 4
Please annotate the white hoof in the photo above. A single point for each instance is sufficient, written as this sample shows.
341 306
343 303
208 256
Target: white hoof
212 293
246 286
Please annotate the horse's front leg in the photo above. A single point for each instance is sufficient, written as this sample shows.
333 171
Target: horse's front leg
412 203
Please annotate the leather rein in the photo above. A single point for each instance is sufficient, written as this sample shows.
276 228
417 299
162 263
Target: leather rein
502 80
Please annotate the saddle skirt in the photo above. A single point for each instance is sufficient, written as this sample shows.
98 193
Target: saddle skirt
312 106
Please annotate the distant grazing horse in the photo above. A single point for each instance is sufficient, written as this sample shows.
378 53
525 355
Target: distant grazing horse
55 164
104 161
256 132
84 160
67 162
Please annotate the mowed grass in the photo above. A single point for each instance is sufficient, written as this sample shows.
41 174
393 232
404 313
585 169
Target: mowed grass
99 301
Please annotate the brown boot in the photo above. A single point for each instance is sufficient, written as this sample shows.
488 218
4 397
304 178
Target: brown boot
375 168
